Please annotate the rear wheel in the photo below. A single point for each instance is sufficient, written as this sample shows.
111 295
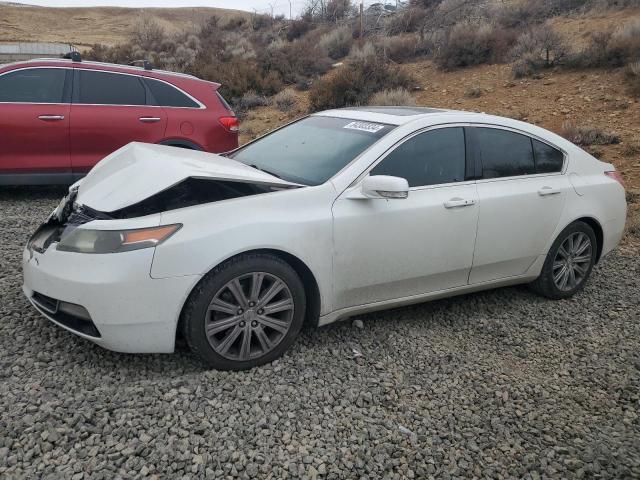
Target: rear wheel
569 262
246 312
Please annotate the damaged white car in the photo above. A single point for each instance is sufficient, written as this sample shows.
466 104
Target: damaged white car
341 212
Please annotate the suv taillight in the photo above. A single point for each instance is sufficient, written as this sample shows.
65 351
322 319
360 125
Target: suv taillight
615 176
230 124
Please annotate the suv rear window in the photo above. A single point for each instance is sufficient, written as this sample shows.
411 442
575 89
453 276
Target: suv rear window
33 85
225 104
166 95
105 88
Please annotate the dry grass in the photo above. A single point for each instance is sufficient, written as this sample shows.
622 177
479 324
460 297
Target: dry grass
285 101
87 26
586 136
393 97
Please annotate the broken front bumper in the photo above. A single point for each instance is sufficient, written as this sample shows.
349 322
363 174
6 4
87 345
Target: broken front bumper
131 312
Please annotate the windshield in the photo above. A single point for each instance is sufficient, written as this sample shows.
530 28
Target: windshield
312 150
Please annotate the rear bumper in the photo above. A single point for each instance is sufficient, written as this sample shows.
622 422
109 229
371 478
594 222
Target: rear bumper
613 231
132 312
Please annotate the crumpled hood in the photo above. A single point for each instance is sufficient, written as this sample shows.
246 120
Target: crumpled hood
139 170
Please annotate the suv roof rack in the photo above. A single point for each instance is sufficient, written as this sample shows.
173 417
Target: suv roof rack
146 64
74 56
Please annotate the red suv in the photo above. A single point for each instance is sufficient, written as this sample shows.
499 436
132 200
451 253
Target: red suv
58 118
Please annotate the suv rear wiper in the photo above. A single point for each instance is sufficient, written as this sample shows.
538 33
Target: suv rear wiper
265 171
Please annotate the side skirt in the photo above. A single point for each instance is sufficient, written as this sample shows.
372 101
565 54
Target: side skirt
451 292
62 178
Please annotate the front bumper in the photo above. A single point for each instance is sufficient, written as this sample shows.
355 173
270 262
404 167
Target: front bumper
132 312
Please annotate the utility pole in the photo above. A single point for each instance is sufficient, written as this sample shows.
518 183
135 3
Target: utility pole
290 16
361 22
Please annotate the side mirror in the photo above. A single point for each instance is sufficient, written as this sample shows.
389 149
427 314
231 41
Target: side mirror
384 186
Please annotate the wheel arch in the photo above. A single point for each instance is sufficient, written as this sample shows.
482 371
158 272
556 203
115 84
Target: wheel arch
309 282
597 229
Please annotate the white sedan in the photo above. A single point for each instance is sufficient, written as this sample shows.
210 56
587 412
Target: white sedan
339 213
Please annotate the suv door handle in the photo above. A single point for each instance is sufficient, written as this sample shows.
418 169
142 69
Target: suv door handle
51 118
149 119
458 202
548 191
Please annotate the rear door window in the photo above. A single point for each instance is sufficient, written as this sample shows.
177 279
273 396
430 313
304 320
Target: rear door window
105 88
166 95
33 85
504 153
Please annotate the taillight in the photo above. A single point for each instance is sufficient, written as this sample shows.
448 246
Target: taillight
231 124
615 176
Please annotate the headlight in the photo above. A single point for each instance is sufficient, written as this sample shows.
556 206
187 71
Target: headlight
115 241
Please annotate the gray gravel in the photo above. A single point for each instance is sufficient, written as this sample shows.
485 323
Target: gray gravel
495 384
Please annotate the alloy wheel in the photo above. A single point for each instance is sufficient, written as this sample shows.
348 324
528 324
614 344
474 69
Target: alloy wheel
572 261
249 316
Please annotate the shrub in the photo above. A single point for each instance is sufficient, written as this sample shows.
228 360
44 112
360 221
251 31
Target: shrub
468 45
235 23
362 54
285 101
337 42
524 13
631 149
587 135
298 28
355 84
252 100
633 77
473 92
612 49
237 45
405 21
400 48
540 47
396 96
292 60
147 33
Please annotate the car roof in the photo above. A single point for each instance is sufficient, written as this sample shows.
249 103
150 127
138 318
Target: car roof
388 115
41 62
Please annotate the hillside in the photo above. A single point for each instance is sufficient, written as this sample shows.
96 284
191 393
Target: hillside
90 25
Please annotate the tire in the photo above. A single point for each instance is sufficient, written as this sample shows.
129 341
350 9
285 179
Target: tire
243 327
557 266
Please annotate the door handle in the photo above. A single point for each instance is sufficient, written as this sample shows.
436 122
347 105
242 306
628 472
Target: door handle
149 119
51 118
548 191
458 202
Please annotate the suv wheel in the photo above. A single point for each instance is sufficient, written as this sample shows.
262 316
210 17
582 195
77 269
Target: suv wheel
246 312
569 262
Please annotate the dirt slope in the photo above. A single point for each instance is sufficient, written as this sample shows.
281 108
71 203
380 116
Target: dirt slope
86 26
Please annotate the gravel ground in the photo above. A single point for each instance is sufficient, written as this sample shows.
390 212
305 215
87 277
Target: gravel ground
496 384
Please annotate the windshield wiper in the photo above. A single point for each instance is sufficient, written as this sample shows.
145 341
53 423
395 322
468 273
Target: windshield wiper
265 171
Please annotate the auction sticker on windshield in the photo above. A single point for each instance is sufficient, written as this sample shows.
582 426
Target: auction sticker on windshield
364 126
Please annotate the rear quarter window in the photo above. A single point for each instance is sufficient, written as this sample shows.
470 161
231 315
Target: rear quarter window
166 95
548 159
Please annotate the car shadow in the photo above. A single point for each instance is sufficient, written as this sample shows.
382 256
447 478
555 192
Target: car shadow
32 192
428 316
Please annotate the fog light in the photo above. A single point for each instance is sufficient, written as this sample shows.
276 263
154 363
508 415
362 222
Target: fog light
74 310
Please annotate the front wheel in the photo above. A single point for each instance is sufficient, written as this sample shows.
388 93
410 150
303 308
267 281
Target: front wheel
569 262
246 312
